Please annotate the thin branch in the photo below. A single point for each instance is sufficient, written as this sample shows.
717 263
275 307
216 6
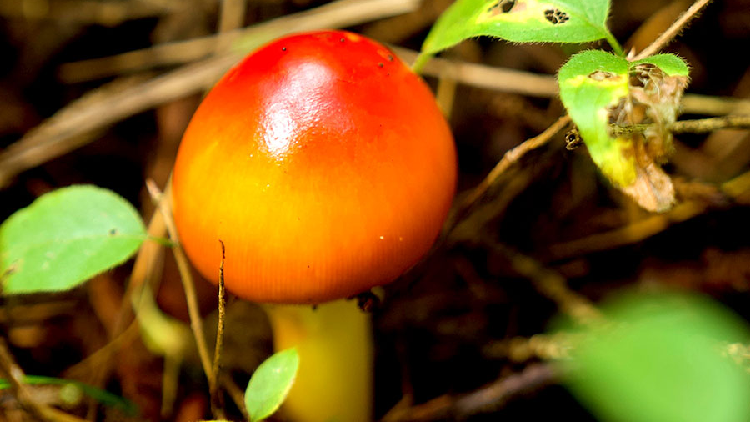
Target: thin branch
550 283
667 36
710 125
482 76
688 126
736 189
717 106
231 17
486 399
625 235
71 127
338 14
86 11
235 393
187 279
14 374
57 135
219 329
512 156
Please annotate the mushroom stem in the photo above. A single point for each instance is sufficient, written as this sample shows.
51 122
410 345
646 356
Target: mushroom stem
334 341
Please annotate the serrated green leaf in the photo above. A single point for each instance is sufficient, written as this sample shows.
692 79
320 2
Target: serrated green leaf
590 82
558 21
668 63
66 237
660 358
270 384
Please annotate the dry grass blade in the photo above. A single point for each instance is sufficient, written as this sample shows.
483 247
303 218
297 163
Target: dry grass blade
338 14
73 125
108 13
485 399
674 30
165 208
68 129
481 76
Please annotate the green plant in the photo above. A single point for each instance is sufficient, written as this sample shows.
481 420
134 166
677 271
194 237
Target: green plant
70 235
653 358
623 106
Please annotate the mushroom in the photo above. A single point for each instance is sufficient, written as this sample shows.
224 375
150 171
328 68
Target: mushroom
326 168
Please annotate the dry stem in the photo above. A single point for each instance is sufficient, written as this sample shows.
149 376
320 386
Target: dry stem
485 399
219 330
183 267
667 36
513 156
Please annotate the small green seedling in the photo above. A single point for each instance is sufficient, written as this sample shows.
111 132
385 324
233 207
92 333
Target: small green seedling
623 108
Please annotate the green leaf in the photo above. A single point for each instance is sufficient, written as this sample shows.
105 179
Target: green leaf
74 388
558 21
590 82
623 112
270 384
660 358
668 63
66 237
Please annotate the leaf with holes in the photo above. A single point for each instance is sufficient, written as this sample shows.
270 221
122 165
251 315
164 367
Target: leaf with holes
623 112
558 21
590 83
668 63
661 358
270 384
66 237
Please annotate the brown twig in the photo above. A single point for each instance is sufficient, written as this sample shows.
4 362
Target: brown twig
88 11
219 330
626 235
235 393
14 374
701 104
667 36
689 126
232 16
539 346
187 279
71 127
486 399
482 76
124 330
710 125
15 377
550 283
511 157
735 189
338 14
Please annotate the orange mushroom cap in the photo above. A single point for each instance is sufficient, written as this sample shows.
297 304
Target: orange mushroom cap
323 164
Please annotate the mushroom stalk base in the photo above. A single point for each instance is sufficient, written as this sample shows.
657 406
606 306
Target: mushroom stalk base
334 341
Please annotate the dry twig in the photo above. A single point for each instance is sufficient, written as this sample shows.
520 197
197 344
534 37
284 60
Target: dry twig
219 332
710 125
667 36
70 128
165 208
338 14
108 13
486 399
513 156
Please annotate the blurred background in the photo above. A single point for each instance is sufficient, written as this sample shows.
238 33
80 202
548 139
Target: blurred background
100 91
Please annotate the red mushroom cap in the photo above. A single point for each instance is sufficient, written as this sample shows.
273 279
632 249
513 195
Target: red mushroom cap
323 164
